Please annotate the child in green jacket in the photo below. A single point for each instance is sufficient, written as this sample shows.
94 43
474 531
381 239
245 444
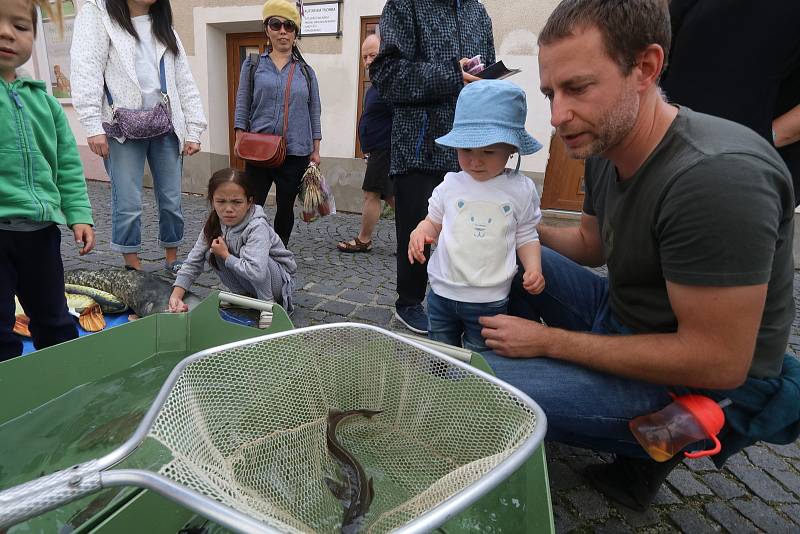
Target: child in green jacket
41 186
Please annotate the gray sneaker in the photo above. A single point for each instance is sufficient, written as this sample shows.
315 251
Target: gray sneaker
413 317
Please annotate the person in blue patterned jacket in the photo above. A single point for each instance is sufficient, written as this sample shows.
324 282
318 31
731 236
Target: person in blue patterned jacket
424 44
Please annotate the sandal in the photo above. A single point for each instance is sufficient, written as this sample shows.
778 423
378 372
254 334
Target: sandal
356 246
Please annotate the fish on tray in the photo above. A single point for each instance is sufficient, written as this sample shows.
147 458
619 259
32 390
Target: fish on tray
108 303
355 491
84 308
142 292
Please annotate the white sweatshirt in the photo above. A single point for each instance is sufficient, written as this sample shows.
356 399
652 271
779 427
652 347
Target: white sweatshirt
483 225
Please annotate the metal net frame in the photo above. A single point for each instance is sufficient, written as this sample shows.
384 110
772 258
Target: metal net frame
246 426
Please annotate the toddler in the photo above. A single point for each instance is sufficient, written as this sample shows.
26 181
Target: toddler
482 217
41 186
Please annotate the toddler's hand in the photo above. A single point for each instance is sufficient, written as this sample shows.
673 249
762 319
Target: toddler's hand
84 234
533 282
219 248
416 246
177 305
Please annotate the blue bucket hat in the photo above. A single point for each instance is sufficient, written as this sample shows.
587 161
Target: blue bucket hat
489 112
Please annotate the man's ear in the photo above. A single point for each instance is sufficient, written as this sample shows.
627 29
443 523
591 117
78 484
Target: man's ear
650 65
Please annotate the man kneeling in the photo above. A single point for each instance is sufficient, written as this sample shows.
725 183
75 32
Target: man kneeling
693 215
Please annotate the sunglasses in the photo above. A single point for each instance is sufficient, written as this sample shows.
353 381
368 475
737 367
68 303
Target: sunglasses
275 25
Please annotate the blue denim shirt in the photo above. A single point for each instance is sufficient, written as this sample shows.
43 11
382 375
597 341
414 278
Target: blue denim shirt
375 126
262 112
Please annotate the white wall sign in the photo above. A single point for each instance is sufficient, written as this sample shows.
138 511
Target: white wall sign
321 19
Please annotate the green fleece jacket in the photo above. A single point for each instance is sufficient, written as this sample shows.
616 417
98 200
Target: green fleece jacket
41 175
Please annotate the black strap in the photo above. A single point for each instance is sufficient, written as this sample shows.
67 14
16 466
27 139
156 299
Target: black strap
161 78
254 59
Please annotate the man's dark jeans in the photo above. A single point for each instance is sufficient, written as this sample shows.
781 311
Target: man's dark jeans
30 266
584 408
411 193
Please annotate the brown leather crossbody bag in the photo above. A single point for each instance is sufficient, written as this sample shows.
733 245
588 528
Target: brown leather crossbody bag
265 150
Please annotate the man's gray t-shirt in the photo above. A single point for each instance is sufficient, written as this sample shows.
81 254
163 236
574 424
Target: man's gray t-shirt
711 206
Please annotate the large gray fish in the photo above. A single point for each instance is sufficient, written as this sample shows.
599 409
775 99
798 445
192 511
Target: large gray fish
143 292
355 491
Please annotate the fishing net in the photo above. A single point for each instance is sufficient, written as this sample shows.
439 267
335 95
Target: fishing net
246 427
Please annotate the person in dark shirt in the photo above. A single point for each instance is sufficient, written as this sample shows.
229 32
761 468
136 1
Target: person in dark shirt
693 217
740 60
375 135
786 128
419 71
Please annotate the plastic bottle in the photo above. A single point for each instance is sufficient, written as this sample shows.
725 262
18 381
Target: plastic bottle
688 419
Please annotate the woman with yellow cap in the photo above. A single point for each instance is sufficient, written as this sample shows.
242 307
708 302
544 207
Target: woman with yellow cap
260 110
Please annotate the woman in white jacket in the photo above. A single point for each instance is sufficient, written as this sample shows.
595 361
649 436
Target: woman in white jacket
118 45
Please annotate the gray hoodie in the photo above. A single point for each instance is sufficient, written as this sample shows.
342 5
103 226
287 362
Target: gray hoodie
257 255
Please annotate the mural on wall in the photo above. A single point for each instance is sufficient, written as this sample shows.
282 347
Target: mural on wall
57 44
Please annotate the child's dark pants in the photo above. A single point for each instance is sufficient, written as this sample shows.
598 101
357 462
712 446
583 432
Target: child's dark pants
30 266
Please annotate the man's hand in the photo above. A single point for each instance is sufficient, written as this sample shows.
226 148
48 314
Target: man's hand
220 249
513 337
416 245
84 234
533 282
190 148
314 158
99 145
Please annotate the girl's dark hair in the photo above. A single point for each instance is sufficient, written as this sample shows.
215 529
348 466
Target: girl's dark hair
160 16
34 18
212 228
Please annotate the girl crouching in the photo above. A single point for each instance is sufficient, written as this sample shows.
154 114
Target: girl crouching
240 245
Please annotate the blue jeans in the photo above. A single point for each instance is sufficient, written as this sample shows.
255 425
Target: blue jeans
584 408
450 320
125 167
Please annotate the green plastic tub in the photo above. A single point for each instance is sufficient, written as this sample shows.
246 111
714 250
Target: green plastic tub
82 399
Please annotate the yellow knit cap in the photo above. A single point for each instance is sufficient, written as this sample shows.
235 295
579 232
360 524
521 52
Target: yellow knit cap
281 8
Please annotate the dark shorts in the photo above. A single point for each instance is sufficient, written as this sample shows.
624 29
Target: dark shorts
377 179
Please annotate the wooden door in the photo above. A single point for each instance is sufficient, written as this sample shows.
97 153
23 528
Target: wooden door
368 25
563 179
239 46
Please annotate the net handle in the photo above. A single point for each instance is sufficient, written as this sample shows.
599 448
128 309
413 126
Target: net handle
245 302
463 355
38 496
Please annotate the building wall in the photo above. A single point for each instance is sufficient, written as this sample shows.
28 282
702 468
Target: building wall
203 25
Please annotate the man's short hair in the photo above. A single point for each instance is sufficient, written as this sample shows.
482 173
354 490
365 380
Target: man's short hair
627 26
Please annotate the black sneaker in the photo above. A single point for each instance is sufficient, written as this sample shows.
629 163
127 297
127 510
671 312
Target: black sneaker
633 482
413 317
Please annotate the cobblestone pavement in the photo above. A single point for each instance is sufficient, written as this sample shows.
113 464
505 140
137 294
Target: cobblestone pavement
758 490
